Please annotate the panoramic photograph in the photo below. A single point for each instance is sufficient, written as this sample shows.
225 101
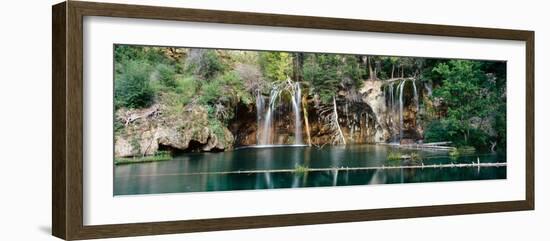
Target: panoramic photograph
197 120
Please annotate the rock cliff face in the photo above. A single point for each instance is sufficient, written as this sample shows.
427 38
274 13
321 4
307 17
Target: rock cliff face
372 94
392 101
353 118
367 117
146 131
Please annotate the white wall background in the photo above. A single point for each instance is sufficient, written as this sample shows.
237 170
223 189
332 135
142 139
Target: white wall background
25 120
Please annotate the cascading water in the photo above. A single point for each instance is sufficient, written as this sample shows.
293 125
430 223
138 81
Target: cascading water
260 103
392 108
266 133
400 88
296 102
401 109
416 96
268 120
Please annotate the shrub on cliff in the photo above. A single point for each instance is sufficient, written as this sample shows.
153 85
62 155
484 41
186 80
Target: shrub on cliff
132 86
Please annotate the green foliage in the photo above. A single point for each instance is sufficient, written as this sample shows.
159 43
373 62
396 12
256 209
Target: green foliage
415 156
134 142
468 96
186 88
227 89
158 156
462 83
174 90
206 65
216 125
211 65
132 85
468 106
437 131
245 57
234 88
276 66
321 70
327 73
167 75
300 169
461 151
222 94
176 98
212 93
352 71
123 53
394 156
134 67
118 126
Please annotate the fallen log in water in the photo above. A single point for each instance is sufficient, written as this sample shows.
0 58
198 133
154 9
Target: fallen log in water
438 146
423 147
438 143
306 169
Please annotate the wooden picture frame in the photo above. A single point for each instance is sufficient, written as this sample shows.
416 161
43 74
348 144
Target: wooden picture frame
67 123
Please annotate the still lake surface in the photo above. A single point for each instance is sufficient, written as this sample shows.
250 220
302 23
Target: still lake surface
268 168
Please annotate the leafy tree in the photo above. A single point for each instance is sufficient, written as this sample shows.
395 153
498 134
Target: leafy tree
321 70
327 73
351 71
132 86
152 55
211 64
227 89
406 65
467 99
392 63
167 75
205 63
181 95
222 94
124 53
276 66
467 106
436 131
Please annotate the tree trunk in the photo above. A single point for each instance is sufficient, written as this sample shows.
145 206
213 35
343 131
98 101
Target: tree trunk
336 121
306 120
392 70
298 65
377 67
372 73
365 64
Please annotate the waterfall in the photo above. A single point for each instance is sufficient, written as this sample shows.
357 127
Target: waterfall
416 96
391 99
268 120
266 133
428 87
393 103
296 103
392 109
259 110
400 87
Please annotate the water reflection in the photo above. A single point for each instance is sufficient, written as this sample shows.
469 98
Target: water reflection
275 168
